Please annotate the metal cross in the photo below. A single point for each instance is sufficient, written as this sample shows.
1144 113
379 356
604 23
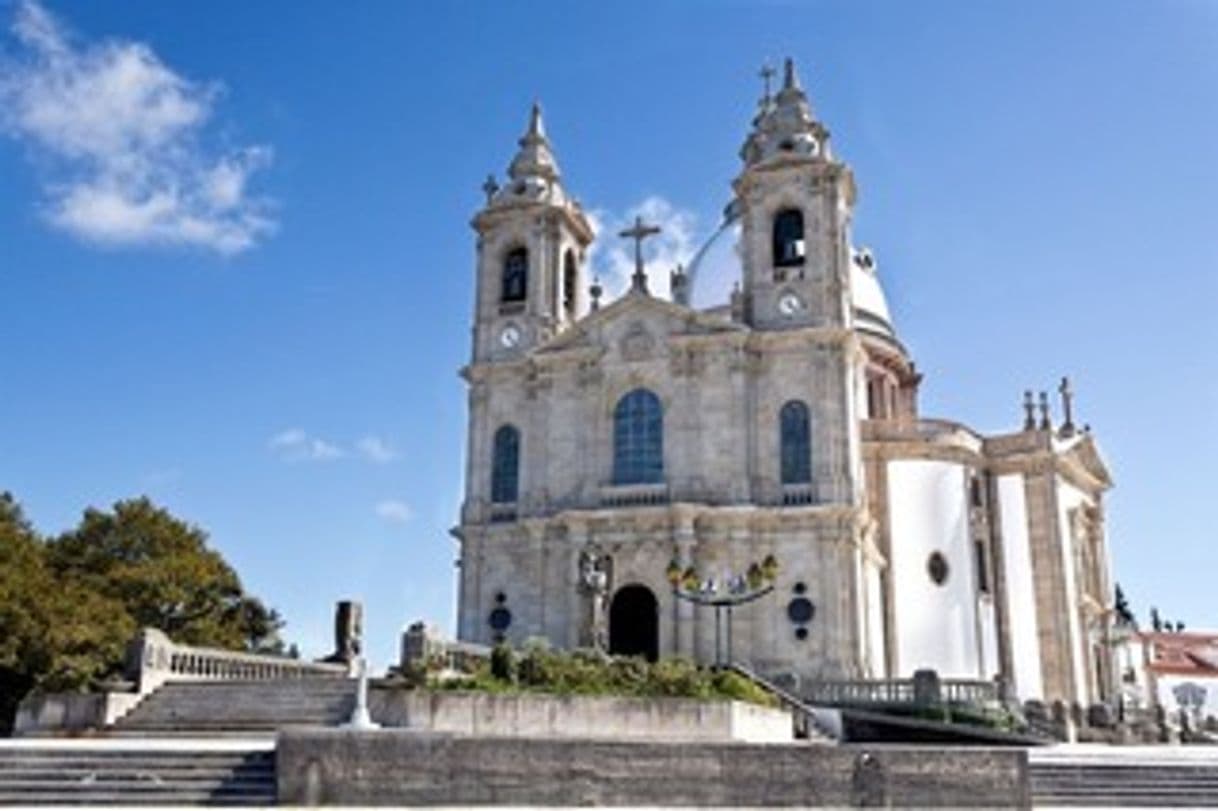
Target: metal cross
638 233
767 73
490 187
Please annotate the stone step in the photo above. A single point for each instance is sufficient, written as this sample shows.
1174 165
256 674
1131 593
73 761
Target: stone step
168 774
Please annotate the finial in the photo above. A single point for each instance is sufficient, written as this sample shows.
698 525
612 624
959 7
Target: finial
1067 394
489 187
639 232
676 283
536 128
789 80
1029 411
595 291
1046 423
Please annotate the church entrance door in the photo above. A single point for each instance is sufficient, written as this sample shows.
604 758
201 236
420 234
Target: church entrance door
634 623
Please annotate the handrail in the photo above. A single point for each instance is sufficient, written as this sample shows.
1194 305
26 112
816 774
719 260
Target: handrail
808 718
154 659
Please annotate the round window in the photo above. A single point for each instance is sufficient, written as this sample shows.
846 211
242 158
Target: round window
800 610
937 568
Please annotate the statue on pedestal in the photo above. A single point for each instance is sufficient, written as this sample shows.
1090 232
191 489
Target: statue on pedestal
595 574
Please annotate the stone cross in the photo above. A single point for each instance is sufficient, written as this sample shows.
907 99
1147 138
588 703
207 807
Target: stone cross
489 188
1067 407
766 73
639 232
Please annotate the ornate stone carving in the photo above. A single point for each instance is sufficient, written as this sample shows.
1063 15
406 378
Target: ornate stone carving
638 344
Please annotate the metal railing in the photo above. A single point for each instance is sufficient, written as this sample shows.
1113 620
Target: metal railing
898 692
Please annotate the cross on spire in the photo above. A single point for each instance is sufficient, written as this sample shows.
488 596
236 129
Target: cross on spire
639 232
489 187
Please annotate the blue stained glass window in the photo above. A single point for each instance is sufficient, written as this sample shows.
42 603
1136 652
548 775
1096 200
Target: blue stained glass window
796 443
505 468
638 439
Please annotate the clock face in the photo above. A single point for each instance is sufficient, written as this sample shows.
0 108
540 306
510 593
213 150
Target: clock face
789 304
510 337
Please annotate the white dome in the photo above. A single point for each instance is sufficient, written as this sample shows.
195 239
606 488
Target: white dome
867 296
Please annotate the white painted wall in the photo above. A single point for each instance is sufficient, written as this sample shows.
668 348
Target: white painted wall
875 620
989 637
1068 498
936 625
1167 697
1020 592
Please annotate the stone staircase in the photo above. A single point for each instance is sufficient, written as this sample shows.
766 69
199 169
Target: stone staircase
146 773
1125 779
239 707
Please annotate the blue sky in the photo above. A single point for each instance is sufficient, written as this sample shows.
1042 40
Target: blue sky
237 265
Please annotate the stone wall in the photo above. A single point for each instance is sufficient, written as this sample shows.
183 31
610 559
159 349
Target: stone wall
549 716
339 767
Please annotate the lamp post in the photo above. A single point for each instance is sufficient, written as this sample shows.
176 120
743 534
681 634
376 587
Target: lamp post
722 595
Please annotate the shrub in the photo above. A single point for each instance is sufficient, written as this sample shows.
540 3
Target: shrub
503 663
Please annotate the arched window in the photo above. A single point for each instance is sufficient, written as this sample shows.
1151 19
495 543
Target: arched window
789 237
505 467
796 442
516 275
638 439
568 284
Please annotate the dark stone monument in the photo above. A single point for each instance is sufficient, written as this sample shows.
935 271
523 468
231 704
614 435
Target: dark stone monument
348 632
868 783
926 688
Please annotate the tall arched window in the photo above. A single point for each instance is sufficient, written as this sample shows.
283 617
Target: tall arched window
568 284
516 275
789 237
638 439
796 441
505 466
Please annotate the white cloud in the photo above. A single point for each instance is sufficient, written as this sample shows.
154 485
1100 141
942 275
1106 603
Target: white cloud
375 449
612 257
120 135
294 445
395 512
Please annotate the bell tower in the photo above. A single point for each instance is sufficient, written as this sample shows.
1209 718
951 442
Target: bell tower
532 246
795 205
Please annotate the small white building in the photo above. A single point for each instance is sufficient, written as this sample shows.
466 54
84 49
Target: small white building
641 433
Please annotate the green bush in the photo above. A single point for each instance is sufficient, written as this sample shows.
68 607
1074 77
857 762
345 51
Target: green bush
586 672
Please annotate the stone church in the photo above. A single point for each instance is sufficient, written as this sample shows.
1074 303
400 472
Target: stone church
627 455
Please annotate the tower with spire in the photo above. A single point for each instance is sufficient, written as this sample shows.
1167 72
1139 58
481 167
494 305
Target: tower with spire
532 244
795 205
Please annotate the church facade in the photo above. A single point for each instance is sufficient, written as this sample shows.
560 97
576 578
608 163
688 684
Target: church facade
633 438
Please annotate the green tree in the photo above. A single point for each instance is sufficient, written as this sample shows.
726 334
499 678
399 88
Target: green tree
165 576
69 606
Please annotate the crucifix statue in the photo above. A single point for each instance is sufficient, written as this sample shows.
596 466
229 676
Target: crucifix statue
639 232
595 569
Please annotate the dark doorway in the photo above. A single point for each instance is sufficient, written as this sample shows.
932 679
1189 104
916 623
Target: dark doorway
634 623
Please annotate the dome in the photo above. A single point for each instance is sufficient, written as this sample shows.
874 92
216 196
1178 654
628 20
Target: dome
867 296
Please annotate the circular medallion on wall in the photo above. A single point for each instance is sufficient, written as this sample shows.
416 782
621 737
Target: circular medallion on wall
500 619
937 568
800 610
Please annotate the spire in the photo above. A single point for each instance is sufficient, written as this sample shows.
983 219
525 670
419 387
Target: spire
790 81
535 158
784 124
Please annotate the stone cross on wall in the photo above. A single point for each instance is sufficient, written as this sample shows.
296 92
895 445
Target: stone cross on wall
639 232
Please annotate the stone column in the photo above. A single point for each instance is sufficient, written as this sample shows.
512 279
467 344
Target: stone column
684 621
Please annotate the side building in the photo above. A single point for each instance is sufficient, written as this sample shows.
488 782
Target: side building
643 432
